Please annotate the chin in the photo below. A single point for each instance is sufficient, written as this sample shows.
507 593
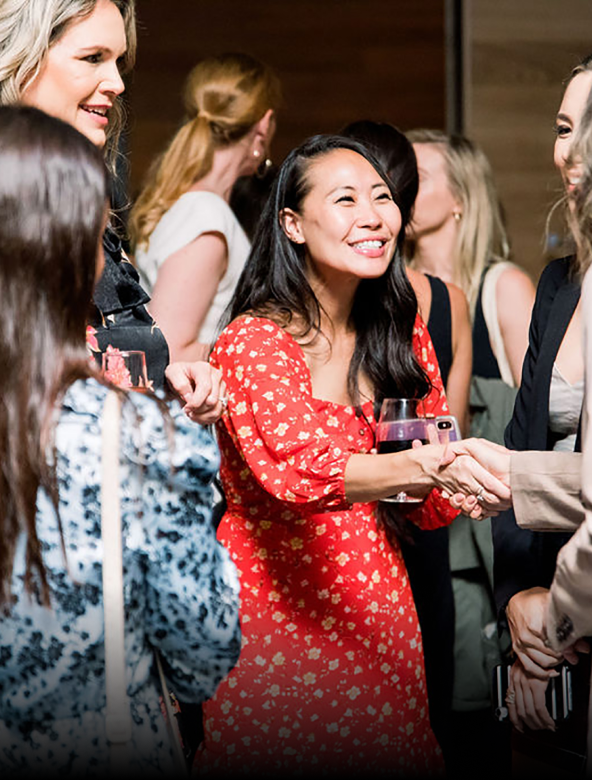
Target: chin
95 135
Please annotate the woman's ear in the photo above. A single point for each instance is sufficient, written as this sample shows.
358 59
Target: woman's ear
290 222
265 127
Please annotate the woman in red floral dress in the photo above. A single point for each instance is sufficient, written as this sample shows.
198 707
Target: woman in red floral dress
323 326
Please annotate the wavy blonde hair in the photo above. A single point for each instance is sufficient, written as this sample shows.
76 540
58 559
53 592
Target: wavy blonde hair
580 218
481 238
28 29
576 220
224 97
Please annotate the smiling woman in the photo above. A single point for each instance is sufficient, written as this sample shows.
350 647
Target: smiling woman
323 326
80 78
67 58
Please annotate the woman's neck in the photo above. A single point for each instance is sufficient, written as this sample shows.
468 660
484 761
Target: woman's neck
434 253
227 166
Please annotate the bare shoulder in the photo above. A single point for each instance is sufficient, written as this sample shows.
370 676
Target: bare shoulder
458 300
514 284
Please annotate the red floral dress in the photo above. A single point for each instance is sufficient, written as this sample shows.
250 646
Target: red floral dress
331 674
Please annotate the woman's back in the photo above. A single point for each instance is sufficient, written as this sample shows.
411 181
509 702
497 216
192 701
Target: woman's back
180 593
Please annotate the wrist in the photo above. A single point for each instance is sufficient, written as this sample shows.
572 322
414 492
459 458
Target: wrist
427 460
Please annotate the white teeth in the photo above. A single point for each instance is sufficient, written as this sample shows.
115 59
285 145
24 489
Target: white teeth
99 111
374 244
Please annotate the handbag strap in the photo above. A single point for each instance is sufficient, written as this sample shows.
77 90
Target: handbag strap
118 713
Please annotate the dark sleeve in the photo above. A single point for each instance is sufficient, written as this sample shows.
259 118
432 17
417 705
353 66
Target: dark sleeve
517 551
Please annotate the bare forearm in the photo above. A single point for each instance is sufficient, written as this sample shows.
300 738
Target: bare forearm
372 477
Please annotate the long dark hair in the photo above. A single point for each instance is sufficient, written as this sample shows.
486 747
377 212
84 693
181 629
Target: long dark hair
394 151
52 205
274 284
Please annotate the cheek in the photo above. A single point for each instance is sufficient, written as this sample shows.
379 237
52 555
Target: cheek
560 151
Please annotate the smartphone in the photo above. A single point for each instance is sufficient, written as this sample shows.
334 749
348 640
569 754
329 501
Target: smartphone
558 696
447 428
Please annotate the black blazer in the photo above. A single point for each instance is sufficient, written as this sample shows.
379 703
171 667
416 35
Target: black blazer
523 559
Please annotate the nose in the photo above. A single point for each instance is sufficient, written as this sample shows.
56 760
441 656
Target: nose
112 82
368 215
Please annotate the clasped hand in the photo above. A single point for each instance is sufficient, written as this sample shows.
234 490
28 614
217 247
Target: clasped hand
475 476
199 385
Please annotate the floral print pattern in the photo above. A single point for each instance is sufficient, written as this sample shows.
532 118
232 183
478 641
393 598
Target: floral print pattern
180 587
331 675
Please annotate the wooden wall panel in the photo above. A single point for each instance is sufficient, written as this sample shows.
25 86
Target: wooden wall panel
339 60
519 55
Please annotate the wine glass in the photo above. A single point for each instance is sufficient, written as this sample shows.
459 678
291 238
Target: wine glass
126 368
399 424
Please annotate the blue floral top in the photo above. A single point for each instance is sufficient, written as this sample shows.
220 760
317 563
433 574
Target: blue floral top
181 594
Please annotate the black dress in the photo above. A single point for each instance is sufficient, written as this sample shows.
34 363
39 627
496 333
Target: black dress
119 317
426 558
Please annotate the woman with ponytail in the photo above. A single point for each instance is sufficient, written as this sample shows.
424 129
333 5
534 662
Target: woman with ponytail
189 245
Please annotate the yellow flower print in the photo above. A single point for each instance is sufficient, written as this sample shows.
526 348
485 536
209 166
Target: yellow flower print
410 728
279 659
314 653
334 664
353 693
309 678
342 559
296 543
387 709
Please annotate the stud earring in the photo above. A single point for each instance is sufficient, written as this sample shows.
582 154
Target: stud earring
256 154
457 216
264 167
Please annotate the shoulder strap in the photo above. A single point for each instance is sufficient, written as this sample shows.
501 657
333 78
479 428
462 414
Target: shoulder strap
489 305
118 714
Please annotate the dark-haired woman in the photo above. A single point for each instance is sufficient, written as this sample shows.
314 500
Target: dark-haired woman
180 588
444 309
323 325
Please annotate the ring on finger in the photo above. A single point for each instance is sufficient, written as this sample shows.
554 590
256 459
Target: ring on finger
480 492
510 696
223 401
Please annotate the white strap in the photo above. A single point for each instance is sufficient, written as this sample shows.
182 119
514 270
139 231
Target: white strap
118 714
489 306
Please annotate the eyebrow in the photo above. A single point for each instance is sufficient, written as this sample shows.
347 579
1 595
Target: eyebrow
563 117
350 188
99 48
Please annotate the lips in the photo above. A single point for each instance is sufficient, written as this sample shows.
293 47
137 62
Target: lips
100 113
370 247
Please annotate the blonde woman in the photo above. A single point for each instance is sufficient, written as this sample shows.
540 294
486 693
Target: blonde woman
457 233
189 245
67 58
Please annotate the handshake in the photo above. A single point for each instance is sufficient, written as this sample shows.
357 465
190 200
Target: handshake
474 474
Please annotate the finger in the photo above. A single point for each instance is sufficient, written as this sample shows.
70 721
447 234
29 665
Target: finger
535 669
433 437
206 388
179 379
416 444
448 457
540 706
521 716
